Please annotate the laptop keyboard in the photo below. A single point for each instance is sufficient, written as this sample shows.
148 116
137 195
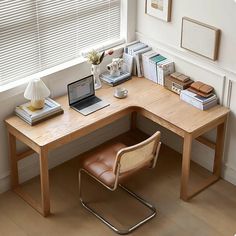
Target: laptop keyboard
87 102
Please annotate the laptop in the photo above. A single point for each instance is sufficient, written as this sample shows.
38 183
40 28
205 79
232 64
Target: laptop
82 97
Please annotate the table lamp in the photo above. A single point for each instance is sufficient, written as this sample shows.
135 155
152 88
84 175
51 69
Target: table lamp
36 91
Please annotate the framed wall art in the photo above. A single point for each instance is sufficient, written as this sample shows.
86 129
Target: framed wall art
200 38
160 9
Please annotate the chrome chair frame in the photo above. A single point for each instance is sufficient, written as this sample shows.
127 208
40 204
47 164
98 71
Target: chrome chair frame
105 221
140 199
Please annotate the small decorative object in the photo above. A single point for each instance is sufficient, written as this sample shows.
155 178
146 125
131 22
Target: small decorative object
36 91
115 66
200 38
95 58
120 92
159 8
95 70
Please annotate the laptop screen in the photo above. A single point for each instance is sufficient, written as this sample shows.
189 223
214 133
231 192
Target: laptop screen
80 89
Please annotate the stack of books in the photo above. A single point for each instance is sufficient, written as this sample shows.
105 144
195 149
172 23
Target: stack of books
156 67
136 49
164 68
27 113
153 70
200 102
145 60
115 80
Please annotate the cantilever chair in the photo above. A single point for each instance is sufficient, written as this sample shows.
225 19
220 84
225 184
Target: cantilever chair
117 162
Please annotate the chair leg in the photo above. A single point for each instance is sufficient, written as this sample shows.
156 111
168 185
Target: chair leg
105 221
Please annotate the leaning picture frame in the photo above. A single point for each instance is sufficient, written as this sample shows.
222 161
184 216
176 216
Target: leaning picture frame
160 9
200 38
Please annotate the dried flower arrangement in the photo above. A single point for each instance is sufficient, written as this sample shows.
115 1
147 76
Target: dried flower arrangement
94 57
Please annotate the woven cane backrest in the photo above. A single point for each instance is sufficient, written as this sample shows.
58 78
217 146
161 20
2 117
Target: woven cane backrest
139 155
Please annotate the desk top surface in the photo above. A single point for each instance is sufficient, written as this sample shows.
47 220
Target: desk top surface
143 93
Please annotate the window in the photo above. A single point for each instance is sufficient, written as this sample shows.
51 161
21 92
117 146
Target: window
39 34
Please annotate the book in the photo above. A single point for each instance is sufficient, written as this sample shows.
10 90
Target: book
132 49
153 66
135 47
138 60
113 84
32 116
49 107
199 98
115 80
164 68
130 44
197 103
152 70
36 121
145 62
128 63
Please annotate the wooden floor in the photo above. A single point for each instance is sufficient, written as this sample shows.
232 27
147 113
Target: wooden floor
213 212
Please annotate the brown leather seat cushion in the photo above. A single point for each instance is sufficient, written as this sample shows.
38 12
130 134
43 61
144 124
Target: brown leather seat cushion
101 163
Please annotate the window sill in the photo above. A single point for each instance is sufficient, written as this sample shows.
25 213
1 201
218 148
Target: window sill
17 87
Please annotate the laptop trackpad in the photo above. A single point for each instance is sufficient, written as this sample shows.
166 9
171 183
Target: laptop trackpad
89 106
97 106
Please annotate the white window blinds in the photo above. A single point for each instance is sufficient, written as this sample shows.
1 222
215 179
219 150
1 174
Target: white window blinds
39 34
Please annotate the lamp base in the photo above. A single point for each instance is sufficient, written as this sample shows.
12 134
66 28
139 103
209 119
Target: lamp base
37 104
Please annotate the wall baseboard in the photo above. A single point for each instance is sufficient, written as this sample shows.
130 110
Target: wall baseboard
229 174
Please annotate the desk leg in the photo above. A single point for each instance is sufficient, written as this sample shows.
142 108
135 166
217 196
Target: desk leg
219 150
44 178
13 161
219 147
186 166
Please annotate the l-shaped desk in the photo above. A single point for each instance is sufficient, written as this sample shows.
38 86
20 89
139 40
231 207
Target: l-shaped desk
145 98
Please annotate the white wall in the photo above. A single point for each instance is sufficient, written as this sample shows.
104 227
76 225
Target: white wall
221 14
165 37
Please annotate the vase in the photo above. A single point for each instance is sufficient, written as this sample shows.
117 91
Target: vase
95 70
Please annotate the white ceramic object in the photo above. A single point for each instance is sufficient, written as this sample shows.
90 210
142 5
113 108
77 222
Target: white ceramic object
36 91
95 70
115 66
120 92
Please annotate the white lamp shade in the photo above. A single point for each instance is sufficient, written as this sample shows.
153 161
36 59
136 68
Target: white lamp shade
36 90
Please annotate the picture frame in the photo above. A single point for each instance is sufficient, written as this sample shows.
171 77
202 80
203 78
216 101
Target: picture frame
160 9
200 38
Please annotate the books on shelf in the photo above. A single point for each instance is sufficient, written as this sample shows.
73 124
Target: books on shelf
199 102
135 49
32 116
145 61
149 63
128 63
115 80
130 44
138 60
153 66
164 68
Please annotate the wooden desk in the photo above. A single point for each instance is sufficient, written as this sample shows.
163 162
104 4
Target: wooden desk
145 98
